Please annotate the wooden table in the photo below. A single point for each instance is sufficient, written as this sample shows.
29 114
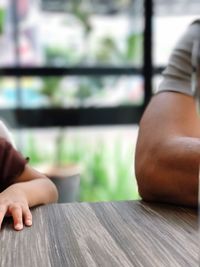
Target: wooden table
103 234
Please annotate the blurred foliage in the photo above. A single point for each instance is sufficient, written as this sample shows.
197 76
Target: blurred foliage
107 51
85 88
134 47
107 172
50 89
2 19
84 91
32 151
82 14
60 56
89 86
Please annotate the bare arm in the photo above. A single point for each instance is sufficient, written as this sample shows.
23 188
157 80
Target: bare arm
28 190
14 170
168 150
38 188
21 186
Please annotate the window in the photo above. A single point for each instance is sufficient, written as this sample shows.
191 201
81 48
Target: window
92 51
78 63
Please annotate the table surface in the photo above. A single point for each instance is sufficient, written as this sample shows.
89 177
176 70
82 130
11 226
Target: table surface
130 233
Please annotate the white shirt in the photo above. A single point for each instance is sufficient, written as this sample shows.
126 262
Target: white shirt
178 73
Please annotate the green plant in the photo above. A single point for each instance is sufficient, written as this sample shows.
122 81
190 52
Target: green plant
88 87
80 11
134 45
125 185
50 89
71 151
57 55
108 49
2 19
32 150
107 172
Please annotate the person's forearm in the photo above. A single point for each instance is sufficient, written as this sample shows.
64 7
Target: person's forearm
184 154
38 191
171 173
38 188
181 164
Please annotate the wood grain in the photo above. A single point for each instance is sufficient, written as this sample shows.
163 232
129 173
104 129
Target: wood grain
103 234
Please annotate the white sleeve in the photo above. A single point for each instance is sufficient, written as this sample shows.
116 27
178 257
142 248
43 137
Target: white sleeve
178 73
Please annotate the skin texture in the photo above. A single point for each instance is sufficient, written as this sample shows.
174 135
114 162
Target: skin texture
168 150
29 189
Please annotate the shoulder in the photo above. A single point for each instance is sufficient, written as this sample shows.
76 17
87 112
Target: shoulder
197 21
191 33
193 30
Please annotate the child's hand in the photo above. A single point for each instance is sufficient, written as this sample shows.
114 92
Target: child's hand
13 202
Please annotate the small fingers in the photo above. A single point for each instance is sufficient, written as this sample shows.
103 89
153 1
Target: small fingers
27 216
16 212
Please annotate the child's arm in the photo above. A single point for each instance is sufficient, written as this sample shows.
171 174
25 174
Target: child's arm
19 197
38 188
21 186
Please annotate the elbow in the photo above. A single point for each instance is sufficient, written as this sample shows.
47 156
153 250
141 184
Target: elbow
53 193
145 176
150 170
158 183
145 189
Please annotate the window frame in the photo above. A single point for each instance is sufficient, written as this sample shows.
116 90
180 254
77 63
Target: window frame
43 117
